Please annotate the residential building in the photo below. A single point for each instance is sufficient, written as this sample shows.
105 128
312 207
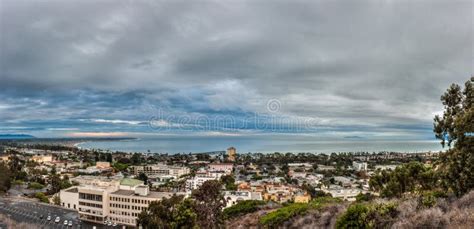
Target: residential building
386 167
344 181
325 168
227 168
359 166
197 181
302 198
337 191
278 193
233 197
160 170
42 158
100 167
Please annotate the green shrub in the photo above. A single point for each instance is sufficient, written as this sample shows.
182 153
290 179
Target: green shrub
368 216
42 197
363 197
354 217
242 208
18 182
35 185
289 211
283 214
428 199
120 166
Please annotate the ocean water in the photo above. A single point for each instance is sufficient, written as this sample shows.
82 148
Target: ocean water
173 145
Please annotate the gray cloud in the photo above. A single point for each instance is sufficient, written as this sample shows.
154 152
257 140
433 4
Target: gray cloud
345 63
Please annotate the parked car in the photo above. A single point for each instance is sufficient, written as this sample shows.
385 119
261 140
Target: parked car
57 220
65 222
70 223
48 218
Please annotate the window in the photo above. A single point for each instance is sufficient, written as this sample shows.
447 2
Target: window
87 196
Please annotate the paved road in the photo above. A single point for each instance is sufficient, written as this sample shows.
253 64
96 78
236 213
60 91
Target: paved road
27 211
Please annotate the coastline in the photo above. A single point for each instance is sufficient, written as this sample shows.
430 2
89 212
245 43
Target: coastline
266 146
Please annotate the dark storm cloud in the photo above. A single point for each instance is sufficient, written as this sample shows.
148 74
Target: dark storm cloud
378 65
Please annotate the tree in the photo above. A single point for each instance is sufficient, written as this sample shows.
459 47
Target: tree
411 177
457 125
5 178
120 166
55 182
209 203
229 182
143 177
171 212
444 128
57 200
136 159
109 157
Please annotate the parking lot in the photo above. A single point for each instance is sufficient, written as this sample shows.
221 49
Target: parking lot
37 214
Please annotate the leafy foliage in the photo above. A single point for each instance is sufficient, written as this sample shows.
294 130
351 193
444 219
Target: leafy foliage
120 166
5 178
368 216
209 202
229 182
242 208
203 210
169 213
283 214
457 125
42 197
411 177
35 185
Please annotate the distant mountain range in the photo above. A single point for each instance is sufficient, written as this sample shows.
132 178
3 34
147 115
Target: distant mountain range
16 136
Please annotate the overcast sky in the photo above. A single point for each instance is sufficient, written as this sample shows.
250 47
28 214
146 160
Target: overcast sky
335 69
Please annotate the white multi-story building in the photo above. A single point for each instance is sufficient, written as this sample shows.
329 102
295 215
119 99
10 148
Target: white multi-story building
359 166
221 167
125 205
160 170
337 191
386 167
197 181
233 197
103 199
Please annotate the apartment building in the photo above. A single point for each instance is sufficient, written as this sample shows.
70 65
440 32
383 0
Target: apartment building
359 166
197 181
160 170
221 167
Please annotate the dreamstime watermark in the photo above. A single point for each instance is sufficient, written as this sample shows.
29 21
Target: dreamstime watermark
271 119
